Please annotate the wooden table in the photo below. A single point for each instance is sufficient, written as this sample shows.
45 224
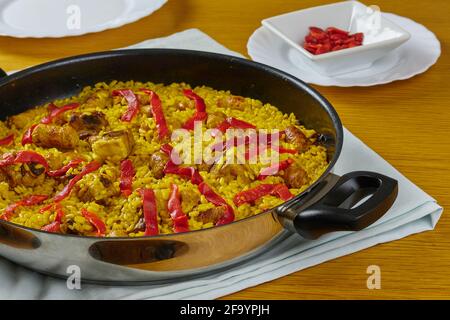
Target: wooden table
406 122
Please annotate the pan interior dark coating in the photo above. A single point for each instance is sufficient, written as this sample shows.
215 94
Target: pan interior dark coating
66 77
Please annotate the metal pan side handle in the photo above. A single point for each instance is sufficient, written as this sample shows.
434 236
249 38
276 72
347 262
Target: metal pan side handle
336 211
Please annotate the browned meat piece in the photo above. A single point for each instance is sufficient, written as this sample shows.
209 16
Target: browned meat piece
101 193
53 136
23 120
295 176
3 176
211 215
113 145
28 175
232 102
157 162
295 136
189 199
214 119
88 124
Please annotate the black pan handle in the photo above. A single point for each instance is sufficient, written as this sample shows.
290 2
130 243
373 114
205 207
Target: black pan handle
338 210
3 73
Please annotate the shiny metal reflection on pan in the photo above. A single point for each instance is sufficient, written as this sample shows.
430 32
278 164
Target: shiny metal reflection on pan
348 203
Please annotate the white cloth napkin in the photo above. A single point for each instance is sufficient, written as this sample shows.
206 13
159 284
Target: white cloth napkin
414 211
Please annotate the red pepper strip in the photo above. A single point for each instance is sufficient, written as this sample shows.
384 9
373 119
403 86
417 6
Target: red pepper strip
274 169
251 195
282 191
150 212
90 167
166 148
133 104
24 157
28 135
63 170
55 226
6 140
200 109
25 202
179 219
95 221
231 122
158 113
126 177
198 116
187 172
284 150
54 111
200 105
217 200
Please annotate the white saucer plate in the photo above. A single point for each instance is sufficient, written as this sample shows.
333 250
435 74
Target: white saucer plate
65 18
412 58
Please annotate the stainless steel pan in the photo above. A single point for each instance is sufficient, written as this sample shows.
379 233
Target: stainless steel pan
327 206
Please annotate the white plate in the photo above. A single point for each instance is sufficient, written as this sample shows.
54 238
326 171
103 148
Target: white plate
414 57
65 18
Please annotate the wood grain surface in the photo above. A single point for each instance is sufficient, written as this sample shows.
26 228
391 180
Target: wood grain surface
406 122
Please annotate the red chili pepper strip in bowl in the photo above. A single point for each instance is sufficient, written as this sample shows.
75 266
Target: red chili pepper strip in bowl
65 192
150 212
63 170
217 200
320 41
158 114
200 109
251 195
93 219
133 104
126 177
179 218
25 202
7 140
274 169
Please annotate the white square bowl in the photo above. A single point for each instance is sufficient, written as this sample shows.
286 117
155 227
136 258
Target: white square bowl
380 35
